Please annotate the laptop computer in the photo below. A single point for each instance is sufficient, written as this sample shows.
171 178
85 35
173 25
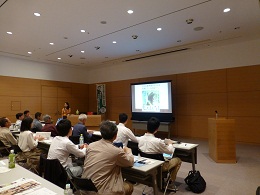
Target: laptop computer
168 156
46 135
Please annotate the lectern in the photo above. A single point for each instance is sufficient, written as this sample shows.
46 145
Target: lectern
222 141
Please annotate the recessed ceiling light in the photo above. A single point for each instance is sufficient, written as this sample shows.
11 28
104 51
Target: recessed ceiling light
82 31
226 10
114 41
179 41
29 52
198 28
59 58
103 22
130 11
159 29
82 51
10 33
51 43
37 14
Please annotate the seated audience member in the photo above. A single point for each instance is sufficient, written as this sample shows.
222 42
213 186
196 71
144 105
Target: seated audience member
49 127
149 144
19 116
124 134
27 113
37 125
61 147
28 143
80 128
5 134
104 161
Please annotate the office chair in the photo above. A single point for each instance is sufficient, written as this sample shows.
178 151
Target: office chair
4 150
74 139
82 185
20 158
170 169
53 171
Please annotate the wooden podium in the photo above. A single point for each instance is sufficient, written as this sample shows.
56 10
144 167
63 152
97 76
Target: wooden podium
222 141
92 123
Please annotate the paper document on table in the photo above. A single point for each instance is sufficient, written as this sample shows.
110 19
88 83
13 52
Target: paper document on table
24 186
143 161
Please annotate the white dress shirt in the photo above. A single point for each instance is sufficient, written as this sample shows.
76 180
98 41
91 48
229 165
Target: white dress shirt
149 144
26 141
124 134
18 124
61 148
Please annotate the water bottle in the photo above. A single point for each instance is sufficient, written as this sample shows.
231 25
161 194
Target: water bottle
11 162
81 140
77 112
67 190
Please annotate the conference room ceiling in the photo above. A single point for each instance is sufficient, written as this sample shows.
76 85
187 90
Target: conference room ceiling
185 25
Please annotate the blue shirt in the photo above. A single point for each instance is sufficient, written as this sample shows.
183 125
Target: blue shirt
81 129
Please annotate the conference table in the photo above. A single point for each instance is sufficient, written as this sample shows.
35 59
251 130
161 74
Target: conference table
8 176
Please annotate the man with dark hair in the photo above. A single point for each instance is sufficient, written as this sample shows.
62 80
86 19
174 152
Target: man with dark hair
37 125
19 116
149 144
124 133
49 126
61 147
26 113
104 161
5 135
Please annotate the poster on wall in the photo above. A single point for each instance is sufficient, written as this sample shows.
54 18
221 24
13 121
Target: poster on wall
101 98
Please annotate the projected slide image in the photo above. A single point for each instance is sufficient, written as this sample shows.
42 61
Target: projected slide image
151 99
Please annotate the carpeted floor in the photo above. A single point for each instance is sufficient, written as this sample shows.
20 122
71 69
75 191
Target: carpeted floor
241 178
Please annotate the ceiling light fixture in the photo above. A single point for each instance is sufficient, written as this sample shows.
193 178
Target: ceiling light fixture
189 21
114 42
82 51
130 11
59 58
37 14
103 22
198 28
97 47
10 33
159 29
51 43
82 31
29 52
226 10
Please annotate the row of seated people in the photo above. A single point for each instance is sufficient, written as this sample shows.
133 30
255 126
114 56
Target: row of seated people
103 160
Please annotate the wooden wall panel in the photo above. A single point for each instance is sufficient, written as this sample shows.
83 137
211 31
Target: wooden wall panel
245 103
244 78
202 82
247 129
202 104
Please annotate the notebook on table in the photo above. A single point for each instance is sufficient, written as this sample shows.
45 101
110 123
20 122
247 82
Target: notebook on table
46 135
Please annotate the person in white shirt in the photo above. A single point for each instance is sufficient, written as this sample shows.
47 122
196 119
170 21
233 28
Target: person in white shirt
61 147
19 116
28 144
124 133
149 144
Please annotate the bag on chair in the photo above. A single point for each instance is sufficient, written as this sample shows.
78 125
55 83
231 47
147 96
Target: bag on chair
195 182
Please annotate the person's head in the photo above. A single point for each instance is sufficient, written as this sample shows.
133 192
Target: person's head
108 130
153 125
64 128
38 115
26 124
26 113
83 118
5 122
66 105
19 116
46 118
123 117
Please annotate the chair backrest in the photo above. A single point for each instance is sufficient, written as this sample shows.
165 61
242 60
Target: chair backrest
82 183
53 171
3 148
16 149
153 156
74 139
